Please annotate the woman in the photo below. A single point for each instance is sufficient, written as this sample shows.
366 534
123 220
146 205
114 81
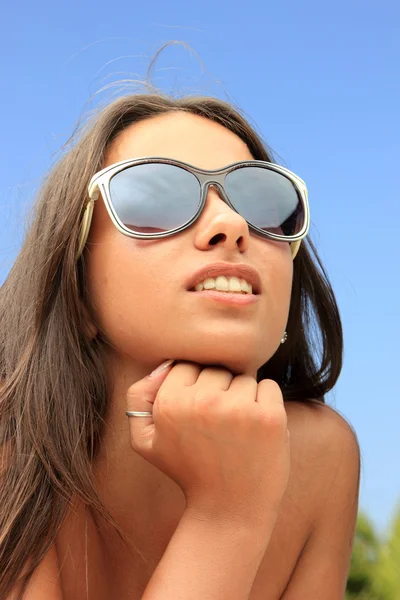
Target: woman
190 247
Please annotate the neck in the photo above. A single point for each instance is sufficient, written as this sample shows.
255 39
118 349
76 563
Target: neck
145 502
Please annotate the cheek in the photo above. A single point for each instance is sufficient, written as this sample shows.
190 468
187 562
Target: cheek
115 284
278 277
286 275
129 294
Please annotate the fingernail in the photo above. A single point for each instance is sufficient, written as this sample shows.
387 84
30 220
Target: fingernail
161 368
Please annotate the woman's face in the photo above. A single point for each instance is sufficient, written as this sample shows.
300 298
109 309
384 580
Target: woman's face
138 287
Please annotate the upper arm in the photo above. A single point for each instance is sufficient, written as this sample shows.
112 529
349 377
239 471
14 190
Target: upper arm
322 568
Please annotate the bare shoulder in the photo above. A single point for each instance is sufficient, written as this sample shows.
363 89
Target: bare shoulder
325 452
318 413
319 424
44 583
316 520
327 437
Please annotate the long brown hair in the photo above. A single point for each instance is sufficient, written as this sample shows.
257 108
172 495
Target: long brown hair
55 387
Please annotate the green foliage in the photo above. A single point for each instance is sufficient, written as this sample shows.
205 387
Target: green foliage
375 564
363 560
386 583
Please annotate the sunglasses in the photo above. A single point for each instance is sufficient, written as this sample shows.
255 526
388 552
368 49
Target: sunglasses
150 198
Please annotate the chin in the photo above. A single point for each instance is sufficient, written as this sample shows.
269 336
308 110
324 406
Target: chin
235 357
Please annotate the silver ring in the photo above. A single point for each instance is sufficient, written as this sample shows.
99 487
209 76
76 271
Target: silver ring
139 413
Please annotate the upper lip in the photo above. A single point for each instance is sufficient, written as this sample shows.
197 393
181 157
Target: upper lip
241 271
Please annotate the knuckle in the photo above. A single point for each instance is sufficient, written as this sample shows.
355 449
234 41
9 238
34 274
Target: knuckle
205 401
246 378
134 396
205 397
163 397
163 404
272 387
274 419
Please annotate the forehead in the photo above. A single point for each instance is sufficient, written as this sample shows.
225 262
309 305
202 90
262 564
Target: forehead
181 136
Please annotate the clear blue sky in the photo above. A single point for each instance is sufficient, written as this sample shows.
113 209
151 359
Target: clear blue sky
322 83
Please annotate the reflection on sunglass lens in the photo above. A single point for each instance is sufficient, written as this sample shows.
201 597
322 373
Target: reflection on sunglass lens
154 197
266 199
160 197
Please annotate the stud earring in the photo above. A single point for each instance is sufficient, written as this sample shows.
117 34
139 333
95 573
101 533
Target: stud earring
283 340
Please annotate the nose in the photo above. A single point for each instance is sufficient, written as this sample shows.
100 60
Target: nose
220 224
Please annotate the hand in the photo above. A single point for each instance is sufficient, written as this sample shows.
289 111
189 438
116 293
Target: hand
222 438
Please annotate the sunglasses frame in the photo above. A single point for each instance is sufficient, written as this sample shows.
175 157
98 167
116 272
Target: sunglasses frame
100 183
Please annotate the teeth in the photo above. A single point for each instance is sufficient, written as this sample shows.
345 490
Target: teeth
225 284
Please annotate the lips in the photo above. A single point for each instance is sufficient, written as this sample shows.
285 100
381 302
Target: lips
241 271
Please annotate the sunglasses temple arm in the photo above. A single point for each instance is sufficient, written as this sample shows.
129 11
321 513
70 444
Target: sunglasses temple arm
294 248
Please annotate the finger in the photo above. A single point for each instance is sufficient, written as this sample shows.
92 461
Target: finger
244 388
217 378
183 374
141 395
269 394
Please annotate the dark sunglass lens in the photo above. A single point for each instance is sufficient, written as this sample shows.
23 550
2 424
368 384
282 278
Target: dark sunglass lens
266 199
154 197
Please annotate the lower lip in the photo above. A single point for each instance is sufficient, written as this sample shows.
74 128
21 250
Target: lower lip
227 298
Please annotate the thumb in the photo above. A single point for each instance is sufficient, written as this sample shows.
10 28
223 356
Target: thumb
141 397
